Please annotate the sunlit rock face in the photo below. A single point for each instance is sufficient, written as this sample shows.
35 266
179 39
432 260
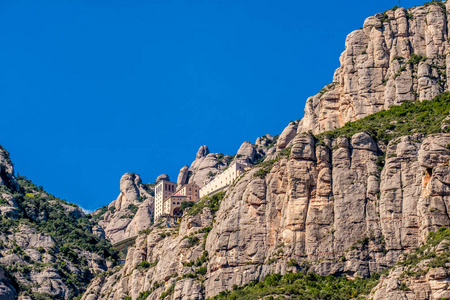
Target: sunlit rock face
397 56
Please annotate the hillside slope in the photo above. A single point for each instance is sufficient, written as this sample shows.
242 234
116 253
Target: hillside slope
48 248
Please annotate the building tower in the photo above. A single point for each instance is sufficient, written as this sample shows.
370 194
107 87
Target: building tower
163 189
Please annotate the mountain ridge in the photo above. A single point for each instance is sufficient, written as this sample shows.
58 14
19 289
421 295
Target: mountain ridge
352 189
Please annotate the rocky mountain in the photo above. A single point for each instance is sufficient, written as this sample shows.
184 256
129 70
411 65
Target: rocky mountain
328 199
358 189
399 55
48 247
333 204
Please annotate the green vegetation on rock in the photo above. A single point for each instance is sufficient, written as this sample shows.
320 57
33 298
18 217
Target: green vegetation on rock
301 286
411 117
427 251
71 231
213 202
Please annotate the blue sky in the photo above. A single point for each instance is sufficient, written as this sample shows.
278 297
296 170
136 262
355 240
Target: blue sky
93 89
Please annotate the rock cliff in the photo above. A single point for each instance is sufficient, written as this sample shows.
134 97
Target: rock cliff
327 204
397 56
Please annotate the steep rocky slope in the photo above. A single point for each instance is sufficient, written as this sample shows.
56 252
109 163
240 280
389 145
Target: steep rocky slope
422 274
48 249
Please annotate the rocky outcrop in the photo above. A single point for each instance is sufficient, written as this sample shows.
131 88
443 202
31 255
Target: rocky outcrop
246 154
287 135
162 177
7 176
206 165
131 212
171 254
426 277
433 285
47 246
397 56
183 177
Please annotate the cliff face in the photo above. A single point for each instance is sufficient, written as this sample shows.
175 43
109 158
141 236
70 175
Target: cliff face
397 56
334 208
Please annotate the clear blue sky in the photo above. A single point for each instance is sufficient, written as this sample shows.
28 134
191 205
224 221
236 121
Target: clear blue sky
93 89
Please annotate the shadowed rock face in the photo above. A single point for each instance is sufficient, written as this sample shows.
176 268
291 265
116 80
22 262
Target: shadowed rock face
7 290
7 177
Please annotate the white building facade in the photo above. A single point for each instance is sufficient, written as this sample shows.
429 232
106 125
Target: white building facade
223 180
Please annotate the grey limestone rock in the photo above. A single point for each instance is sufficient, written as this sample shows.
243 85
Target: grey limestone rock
162 177
384 63
119 221
246 154
183 176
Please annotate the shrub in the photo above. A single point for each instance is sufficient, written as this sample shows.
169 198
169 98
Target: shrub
213 202
292 263
168 292
143 265
143 295
186 204
133 208
302 286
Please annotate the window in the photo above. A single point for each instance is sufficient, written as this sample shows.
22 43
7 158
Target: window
178 202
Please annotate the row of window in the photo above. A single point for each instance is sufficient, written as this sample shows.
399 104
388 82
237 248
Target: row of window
171 187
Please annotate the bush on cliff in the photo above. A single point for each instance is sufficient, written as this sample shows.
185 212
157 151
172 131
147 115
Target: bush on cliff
423 117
